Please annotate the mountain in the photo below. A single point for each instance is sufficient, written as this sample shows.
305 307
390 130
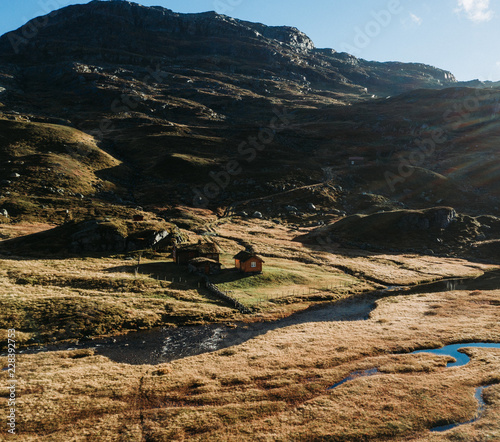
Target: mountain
111 106
120 32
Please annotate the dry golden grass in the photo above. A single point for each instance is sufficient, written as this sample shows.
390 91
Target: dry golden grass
55 299
274 387
10 231
283 242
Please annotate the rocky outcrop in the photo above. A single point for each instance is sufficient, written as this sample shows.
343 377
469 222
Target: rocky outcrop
92 236
96 236
439 228
436 218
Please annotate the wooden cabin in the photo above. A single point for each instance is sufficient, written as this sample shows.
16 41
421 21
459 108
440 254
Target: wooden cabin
248 262
183 253
205 266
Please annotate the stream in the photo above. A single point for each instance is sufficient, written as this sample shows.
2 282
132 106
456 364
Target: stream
167 344
163 345
461 359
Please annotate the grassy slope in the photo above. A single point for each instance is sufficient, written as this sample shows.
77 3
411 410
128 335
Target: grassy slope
55 164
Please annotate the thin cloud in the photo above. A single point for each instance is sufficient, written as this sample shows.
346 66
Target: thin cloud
416 19
476 10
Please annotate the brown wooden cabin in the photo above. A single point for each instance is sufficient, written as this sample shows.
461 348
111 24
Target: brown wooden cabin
183 253
205 266
248 262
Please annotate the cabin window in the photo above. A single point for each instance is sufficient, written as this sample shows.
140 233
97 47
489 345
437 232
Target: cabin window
254 264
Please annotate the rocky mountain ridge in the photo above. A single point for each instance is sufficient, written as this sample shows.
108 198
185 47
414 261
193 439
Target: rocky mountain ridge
125 32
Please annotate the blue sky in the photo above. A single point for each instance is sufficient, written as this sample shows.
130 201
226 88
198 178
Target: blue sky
458 35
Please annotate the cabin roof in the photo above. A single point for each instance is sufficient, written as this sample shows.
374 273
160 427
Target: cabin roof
200 261
208 247
244 256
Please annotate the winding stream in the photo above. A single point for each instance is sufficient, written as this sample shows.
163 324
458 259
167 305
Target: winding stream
453 350
479 397
461 359
162 345
168 344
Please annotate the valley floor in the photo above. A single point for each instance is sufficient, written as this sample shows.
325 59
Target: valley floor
272 387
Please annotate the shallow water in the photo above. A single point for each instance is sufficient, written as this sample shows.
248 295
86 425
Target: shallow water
461 360
453 351
167 344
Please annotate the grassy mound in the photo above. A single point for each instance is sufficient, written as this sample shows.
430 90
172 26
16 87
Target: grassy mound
109 235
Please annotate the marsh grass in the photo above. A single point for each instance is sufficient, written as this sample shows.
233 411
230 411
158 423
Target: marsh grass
275 386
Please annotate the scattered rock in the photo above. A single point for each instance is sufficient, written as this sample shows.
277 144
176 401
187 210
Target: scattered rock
257 215
4 213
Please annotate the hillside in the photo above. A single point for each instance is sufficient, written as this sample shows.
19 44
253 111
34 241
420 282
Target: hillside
113 107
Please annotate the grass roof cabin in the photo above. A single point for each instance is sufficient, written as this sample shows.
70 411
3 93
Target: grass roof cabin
183 253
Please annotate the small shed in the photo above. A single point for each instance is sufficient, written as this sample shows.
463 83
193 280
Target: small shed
205 266
183 253
248 262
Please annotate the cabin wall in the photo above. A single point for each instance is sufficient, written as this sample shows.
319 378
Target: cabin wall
247 266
